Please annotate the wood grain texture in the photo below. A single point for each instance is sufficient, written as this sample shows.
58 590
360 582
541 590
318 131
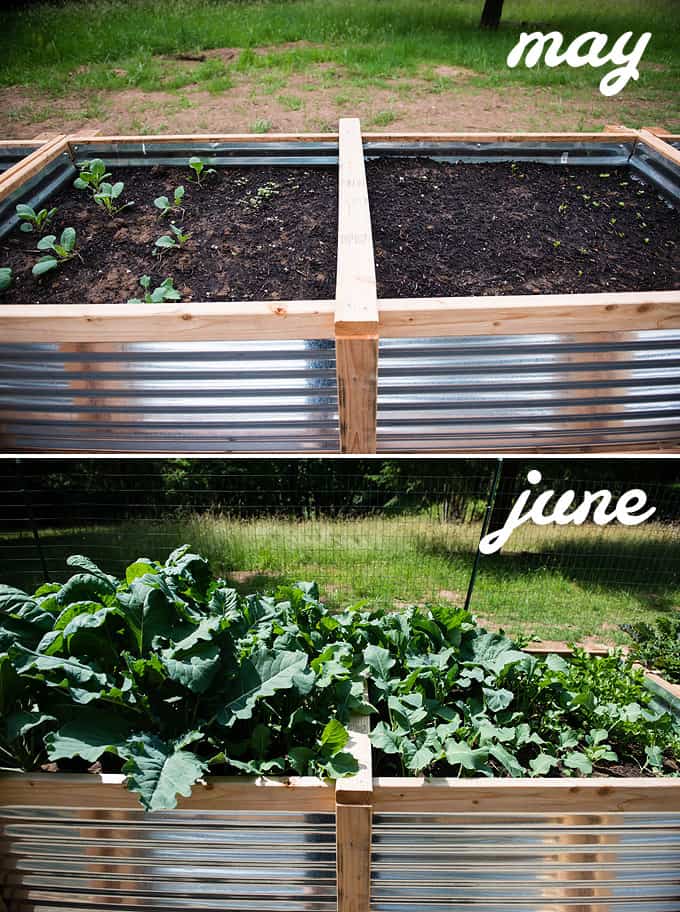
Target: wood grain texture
517 314
297 793
353 857
356 309
663 148
20 143
624 135
356 364
94 138
357 789
197 322
517 795
18 174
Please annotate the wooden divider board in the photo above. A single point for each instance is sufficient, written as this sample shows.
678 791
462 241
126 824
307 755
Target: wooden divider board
18 174
356 302
354 819
663 148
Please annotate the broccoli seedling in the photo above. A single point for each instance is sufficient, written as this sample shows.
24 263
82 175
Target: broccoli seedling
107 196
164 204
61 252
32 220
165 242
92 174
5 278
197 165
163 292
265 192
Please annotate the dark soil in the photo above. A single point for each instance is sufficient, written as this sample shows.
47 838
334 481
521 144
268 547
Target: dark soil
280 246
492 229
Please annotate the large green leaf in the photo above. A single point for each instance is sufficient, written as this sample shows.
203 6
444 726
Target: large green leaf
261 675
91 734
494 652
379 661
84 587
195 670
13 599
158 772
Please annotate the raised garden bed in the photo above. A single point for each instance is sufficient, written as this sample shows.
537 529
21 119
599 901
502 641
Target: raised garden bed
480 836
551 367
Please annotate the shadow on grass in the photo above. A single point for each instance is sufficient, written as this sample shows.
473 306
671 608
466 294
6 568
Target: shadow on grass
649 569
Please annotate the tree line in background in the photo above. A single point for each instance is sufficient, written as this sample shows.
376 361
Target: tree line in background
63 492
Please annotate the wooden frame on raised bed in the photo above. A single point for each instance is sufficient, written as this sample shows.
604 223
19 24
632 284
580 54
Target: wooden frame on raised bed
355 799
356 318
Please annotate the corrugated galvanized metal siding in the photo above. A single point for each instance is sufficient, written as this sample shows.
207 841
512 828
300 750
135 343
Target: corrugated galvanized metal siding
664 173
526 862
37 190
522 392
10 155
77 859
550 153
182 397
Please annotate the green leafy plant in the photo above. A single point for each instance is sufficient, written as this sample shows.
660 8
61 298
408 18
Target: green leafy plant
456 700
5 278
166 242
32 220
164 204
657 645
169 674
92 174
107 195
197 165
166 291
62 251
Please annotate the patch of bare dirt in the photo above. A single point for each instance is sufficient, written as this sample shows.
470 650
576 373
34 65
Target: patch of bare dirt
322 93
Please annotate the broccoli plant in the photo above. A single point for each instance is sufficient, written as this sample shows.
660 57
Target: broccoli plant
107 196
166 291
32 220
166 242
164 204
92 174
197 165
5 278
61 252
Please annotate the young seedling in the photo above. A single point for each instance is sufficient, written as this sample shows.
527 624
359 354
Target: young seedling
163 292
32 220
5 278
107 196
265 192
197 165
61 252
164 204
172 243
92 175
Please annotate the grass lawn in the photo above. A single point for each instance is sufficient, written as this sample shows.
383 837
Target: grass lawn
301 64
559 583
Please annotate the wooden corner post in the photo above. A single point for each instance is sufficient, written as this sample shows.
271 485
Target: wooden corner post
353 822
356 304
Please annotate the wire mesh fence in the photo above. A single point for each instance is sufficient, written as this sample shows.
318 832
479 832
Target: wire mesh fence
386 532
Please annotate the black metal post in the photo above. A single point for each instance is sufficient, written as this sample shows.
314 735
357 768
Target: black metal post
31 519
491 500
